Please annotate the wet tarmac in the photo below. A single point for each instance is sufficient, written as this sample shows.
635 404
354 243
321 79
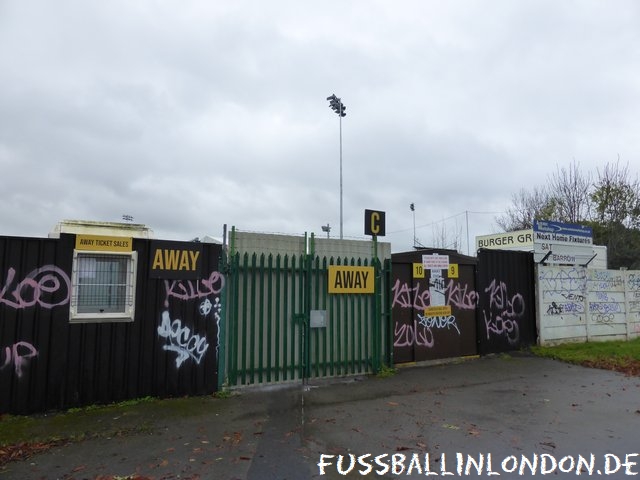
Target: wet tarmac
513 416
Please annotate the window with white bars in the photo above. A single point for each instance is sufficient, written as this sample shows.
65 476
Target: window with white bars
103 287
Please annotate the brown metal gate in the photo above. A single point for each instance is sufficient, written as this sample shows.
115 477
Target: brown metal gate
434 311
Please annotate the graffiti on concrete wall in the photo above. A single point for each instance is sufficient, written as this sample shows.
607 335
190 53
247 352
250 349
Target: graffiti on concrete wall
578 303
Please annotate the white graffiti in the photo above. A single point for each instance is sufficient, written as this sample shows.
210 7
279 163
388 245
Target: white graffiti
217 313
181 341
439 322
205 307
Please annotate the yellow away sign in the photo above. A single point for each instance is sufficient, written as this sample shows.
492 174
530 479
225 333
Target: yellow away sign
345 279
438 311
103 243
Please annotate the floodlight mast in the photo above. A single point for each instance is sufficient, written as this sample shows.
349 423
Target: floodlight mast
338 107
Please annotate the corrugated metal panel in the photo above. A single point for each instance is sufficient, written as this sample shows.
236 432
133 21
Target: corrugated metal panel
506 300
48 363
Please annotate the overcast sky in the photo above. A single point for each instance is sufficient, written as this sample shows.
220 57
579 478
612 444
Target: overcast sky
188 115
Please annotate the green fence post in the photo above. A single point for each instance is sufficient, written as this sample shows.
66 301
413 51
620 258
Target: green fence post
220 348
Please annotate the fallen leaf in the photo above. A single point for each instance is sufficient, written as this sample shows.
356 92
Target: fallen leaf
450 427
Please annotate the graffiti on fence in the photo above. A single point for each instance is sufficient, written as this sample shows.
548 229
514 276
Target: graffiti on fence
633 282
408 297
407 335
555 308
456 294
604 319
599 307
180 340
605 279
563 280
420 333
461 296
573 297
18 356
501 317
194 289
35 287
504 311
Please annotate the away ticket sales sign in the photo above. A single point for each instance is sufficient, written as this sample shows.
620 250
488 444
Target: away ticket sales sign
562 243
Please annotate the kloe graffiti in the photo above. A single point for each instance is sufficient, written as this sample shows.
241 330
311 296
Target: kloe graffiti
179 338
501 317
36 288
194 289
504 312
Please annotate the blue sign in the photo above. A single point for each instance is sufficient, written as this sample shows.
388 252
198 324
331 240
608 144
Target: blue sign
547 231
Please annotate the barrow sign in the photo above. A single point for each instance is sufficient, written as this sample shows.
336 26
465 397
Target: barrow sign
562 243
346 279
175 260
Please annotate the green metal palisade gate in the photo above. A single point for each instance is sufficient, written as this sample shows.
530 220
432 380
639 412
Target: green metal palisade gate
267 336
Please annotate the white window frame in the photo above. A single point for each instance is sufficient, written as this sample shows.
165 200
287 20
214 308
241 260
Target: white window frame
128 312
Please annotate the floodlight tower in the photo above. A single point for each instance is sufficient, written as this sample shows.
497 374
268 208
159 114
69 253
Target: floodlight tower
337 106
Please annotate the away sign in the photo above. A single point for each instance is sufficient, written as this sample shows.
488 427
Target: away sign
346 279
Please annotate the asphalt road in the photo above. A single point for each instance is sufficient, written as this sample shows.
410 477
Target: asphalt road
514 416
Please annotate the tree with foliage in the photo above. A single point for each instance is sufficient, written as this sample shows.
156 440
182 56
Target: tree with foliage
610 205
569 189
616 197
527 206
564 199
616 222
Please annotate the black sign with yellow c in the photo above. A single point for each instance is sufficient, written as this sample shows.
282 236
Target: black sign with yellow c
374 223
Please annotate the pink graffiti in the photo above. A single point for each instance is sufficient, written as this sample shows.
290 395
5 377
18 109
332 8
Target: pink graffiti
504 312
457 295
30 291
407 297
189 289
461 297
406 335
499 299
18 354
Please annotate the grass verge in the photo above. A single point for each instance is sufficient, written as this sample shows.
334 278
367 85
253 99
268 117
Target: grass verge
621 356
23 436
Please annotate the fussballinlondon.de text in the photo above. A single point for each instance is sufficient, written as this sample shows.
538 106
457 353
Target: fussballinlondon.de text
462 465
